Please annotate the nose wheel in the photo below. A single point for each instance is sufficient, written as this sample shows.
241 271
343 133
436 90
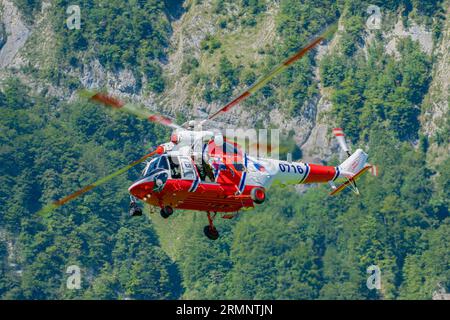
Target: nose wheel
210 230
166 212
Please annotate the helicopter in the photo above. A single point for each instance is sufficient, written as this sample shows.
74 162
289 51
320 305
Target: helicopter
203 170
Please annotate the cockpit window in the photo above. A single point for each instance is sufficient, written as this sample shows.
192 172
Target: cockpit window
175 167
157 164
150 167
163 164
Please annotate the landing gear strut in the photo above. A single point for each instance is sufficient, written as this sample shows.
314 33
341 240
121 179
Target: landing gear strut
166 212
210 230
135 210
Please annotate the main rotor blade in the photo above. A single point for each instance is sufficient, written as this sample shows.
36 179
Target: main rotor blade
50 207
263 81
135 109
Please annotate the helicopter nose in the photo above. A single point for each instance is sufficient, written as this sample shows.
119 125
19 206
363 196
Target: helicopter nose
141 189
159 183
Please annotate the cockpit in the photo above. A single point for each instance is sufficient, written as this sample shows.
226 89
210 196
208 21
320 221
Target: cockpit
168 163
155 165
183 167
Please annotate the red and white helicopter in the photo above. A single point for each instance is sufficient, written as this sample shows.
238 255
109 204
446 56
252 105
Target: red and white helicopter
203 170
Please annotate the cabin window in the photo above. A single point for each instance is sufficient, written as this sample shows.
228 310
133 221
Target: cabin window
188 168
175 168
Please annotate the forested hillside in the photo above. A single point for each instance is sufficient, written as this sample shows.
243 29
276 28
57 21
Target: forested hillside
391 98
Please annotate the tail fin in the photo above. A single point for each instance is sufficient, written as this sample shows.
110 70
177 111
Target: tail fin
354 163
351 169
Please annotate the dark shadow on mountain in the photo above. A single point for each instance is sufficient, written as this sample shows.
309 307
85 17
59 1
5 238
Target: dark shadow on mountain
176 281
3 35
175 8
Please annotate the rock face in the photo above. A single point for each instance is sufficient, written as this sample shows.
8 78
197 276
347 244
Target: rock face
312 128
319 144
188 32
16 31
94 75
437 100
416 32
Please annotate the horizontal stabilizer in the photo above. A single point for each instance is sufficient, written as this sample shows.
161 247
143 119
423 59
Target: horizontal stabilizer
351 182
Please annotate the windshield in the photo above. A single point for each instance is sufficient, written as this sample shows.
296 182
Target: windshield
150 167
156 164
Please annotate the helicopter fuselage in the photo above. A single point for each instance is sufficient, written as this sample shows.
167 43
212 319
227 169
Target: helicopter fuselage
177 178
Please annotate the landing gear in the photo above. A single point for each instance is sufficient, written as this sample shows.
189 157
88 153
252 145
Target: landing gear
258 195
211 233
166 212
135 211
210 230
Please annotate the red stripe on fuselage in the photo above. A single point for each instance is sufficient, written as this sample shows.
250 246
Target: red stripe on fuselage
318 173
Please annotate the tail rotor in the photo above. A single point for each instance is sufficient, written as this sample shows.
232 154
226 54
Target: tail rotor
353 167
340 137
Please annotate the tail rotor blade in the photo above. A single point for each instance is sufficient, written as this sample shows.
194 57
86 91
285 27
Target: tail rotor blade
50 207
340 137
135 109
374 170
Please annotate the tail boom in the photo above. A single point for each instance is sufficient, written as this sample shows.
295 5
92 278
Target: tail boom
292 173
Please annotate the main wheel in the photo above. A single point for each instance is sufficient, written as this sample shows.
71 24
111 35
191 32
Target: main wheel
166 212
211 232
258 195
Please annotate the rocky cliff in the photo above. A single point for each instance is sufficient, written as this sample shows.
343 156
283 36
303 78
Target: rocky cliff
26 46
